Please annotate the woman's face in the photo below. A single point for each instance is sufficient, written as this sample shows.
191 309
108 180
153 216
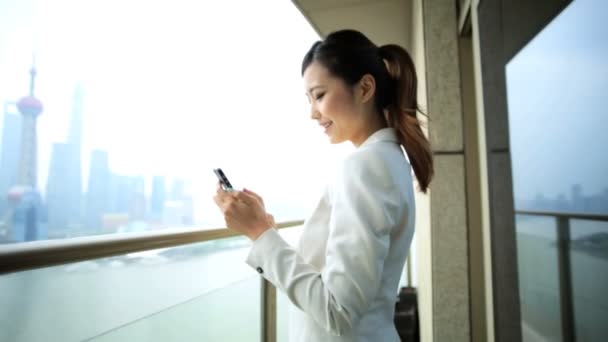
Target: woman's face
332 104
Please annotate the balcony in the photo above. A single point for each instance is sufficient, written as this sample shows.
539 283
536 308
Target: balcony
138 113
167 286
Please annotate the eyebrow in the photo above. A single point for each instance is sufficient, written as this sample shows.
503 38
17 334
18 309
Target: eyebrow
313 88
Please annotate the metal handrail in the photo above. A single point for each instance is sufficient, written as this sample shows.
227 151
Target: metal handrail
570 215
37 254
564 264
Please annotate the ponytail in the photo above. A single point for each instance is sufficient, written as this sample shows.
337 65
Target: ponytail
402 110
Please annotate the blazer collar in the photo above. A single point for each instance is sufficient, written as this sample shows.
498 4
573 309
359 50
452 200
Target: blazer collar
384 134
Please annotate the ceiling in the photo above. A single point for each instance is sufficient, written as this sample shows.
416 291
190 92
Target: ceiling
383 21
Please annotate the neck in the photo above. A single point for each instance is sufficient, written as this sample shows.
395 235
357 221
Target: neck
371 127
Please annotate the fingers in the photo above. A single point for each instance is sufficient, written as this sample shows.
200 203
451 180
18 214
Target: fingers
270 220
258 197
252 193
219 188
222 201
247 198
230 205
221 195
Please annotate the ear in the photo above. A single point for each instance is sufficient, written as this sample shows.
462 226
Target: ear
366 88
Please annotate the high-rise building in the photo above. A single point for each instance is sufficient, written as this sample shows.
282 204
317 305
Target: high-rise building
9 153
177 190
138 203
157 198
97 201
62 192
25 215
123 192
179 209
64 185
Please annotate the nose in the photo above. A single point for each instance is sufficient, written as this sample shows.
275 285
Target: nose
314 113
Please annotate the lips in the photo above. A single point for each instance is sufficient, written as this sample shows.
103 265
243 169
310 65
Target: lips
326 124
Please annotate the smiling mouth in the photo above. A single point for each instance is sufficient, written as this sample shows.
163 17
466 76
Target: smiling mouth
327 124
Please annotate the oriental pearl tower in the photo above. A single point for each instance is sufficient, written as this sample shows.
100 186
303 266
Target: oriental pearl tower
26 215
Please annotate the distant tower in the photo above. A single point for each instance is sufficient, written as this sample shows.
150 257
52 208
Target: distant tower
138 204
577 199
97 201
30 108
10 140
179 209
64 186
177 191
27 215
157 198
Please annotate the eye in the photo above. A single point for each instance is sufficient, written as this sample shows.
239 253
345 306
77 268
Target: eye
319 96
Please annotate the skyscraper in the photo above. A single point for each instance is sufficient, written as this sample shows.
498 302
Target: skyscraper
97 201
137 209
177 190
74 175
123 192
179 210
64 185
25 204
9 153
62 197
157 198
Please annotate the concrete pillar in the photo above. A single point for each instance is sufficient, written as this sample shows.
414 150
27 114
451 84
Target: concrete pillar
449 233
504 27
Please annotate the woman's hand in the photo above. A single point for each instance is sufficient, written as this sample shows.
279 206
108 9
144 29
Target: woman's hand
244 212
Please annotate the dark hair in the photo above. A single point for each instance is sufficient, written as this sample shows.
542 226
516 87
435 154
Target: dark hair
349 55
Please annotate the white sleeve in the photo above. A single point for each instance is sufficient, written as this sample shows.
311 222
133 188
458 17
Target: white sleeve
363 212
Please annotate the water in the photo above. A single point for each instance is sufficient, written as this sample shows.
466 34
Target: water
539 282
149 295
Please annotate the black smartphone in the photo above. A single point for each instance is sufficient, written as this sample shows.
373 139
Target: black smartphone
224 182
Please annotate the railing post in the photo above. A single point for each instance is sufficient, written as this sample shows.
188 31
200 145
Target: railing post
565 279
268 307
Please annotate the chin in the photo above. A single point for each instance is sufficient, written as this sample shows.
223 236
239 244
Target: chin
336 140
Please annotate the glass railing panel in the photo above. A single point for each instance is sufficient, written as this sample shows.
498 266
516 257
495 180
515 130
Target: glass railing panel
129 294
229 313
538 278
556 88
282 317
589 260
283 304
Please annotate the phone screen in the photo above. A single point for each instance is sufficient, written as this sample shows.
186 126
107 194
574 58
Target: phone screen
223 180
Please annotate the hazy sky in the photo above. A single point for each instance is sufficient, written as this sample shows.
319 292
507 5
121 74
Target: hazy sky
557 93
175 88
178 87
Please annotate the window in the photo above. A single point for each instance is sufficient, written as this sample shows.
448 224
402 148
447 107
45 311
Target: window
557 87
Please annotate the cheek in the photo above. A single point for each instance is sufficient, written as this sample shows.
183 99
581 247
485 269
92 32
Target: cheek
337 108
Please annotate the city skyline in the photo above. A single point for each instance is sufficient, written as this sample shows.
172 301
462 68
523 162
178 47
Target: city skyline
68 208
164 108
160 107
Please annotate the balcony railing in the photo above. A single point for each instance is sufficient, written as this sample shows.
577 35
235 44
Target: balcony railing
40 254
564 265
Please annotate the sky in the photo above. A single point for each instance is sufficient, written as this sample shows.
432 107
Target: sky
176 88
557 87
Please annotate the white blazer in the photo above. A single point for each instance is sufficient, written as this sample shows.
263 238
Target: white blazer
343 277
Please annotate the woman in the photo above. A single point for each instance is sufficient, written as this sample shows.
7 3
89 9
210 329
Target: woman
344 275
